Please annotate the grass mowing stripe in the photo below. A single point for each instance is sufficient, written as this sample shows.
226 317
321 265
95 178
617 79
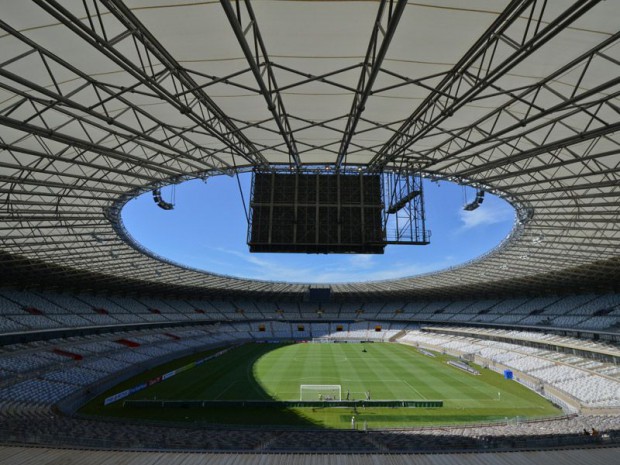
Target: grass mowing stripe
404 366
381 371
263 371
426 372
277 372
421 396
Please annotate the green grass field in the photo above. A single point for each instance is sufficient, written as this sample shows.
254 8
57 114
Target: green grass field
388 371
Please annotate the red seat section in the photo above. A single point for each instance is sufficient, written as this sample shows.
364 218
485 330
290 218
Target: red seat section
66 353
128 343
101 311
173 336
33 310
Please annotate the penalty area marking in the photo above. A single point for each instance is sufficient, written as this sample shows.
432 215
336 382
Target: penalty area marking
414 390
313 378
404 381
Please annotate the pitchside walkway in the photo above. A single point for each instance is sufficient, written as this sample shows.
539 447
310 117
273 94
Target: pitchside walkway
45 456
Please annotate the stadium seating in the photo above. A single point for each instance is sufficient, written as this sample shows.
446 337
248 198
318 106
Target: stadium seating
588 312
578 377
46 378
35 375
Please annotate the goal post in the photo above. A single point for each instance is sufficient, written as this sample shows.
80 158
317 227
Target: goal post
320 392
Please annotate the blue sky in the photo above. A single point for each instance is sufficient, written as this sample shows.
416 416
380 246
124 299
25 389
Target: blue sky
207 230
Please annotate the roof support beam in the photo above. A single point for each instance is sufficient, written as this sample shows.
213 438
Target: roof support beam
198 107
377 49
147 124
65 106
60 186
87 145
568 190
51 173
549 147
554 126
585 161
573 100
257 57
313 78
494 54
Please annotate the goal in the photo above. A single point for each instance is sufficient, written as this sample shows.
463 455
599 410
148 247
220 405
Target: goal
320 392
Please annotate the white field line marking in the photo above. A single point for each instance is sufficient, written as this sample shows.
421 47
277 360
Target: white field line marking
224 390
313 378
414 389
472 399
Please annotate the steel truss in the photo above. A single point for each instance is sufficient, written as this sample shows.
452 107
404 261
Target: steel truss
496 127
195 104
404 215
380 38
257 59
76 146
493 55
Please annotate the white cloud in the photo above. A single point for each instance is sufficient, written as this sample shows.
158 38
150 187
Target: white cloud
394 271
363 262
254 267
486 215
358 268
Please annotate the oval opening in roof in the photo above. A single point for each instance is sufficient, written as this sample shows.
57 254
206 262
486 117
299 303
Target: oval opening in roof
207 230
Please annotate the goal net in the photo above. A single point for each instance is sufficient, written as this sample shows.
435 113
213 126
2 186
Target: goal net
320 392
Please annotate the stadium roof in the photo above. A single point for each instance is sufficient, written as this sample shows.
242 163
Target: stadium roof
102 100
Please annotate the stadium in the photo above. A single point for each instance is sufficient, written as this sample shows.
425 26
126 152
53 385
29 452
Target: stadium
341 112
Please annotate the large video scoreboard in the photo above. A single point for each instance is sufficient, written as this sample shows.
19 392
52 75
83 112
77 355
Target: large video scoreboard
308 212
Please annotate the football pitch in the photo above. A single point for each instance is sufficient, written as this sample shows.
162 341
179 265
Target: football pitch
385 371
